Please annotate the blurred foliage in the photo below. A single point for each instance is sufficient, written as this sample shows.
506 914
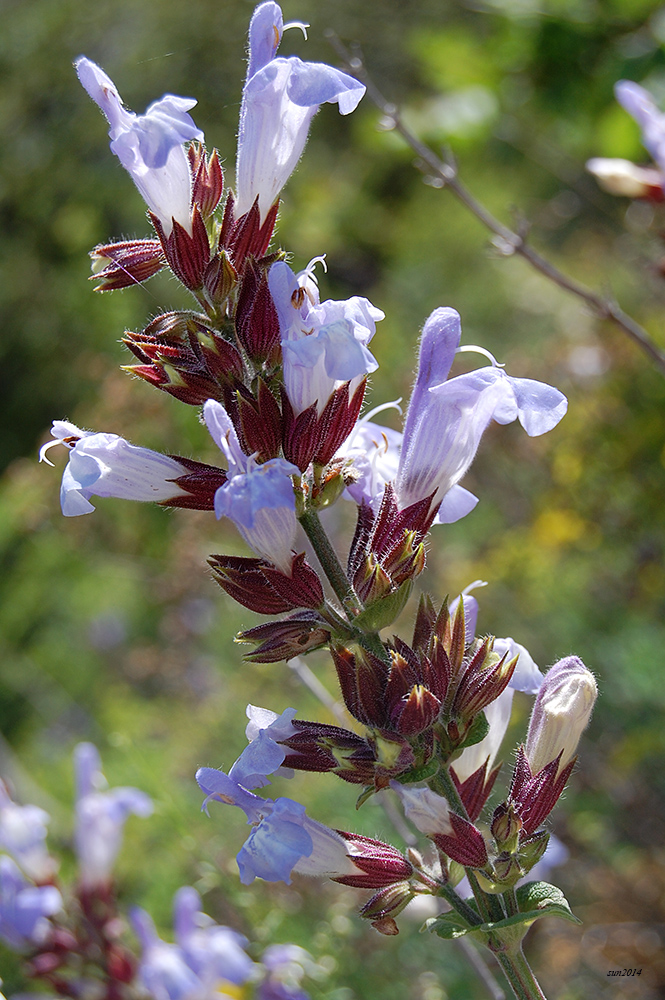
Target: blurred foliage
110 628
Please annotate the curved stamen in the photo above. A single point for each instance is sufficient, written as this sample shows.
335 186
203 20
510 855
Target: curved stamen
394 405
296 24
68 442
308 273
474 349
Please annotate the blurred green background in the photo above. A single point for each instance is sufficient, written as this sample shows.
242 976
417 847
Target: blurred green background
110 627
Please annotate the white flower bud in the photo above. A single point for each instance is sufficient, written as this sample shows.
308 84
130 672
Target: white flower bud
560 713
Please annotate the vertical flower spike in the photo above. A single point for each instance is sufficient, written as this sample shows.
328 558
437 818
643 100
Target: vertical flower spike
280 98
150 146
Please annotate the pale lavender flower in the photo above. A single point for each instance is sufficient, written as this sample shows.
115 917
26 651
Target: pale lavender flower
280 98
283 838
526 678
23 834
428 811
639 103
216 954
163 970
150 146
259 499
324 344
24 908
560 714
285 966
100 816
205 959
498 714
105 465
263 755
447 418
374 451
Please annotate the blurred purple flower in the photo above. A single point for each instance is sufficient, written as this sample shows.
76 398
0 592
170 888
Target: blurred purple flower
150 146
285 965
206 957
100 816
280 98
23 835
639 103
24 908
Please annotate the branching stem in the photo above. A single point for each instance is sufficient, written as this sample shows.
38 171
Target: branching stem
507 241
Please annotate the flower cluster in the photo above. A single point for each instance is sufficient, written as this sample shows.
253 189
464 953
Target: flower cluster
280 376
74 937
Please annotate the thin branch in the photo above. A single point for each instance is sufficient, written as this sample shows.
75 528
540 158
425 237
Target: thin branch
506 240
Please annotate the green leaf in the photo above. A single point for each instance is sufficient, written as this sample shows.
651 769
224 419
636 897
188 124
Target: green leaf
448 926
480 727
422 773
545 900
382 613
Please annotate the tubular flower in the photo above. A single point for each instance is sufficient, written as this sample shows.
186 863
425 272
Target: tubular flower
23 835
258 499
374 452
205 958
283 839
150 146
100 816
280 98
447 418
263 755
105 465
560 714
24 908
639 103
324 344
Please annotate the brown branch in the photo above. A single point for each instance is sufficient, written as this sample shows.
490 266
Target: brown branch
506 240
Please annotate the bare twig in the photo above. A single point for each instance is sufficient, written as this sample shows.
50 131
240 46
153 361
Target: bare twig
506 241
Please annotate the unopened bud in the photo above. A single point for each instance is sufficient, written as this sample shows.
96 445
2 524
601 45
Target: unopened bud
220 279
388 902
560 714
533 848
506 826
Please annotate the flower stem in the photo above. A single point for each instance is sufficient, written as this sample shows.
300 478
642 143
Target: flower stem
330 564
489 906
518 972
459 905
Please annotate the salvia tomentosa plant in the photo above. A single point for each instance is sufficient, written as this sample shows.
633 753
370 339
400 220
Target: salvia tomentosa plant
281 378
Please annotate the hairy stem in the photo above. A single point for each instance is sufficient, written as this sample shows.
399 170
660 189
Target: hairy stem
517 971
330 563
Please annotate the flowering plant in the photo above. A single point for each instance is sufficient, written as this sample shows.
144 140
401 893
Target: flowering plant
281 378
